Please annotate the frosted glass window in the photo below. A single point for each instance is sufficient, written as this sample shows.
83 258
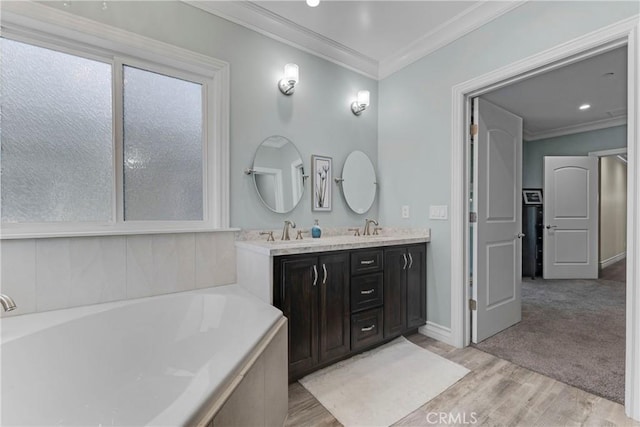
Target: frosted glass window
163 147
56 136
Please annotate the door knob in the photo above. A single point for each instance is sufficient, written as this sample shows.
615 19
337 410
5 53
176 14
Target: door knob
551 226
520 235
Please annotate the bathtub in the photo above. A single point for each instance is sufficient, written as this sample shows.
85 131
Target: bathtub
167 360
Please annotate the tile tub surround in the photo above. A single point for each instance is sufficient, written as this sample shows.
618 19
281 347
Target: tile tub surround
56 273
176 359
255 257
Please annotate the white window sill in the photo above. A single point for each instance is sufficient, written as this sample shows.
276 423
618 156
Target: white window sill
5 235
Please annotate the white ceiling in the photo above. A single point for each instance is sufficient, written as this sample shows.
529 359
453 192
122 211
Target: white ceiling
549 102
376 29
375 38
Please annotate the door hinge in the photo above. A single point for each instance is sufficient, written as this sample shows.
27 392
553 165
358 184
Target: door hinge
472 305
473 130
473 217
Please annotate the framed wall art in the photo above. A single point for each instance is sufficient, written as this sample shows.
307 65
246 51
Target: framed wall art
321 174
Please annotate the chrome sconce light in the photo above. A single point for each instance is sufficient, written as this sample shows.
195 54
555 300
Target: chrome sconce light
361 103
288 82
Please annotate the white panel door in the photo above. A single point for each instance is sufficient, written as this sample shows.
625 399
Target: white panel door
570 242
497 272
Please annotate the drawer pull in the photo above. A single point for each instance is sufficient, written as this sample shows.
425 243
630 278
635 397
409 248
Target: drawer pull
367 292
368 328
367 262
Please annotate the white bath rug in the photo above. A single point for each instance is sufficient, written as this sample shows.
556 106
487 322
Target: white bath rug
379 387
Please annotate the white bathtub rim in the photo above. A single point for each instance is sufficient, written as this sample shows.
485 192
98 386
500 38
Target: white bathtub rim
15 327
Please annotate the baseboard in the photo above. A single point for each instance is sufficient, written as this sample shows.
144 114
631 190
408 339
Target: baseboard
437 332
610 261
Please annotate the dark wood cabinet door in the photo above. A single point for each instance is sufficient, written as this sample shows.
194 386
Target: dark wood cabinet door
300 305
395 291
416 286
334 314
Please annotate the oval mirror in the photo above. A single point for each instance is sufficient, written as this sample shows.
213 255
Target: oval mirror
278 174
359 182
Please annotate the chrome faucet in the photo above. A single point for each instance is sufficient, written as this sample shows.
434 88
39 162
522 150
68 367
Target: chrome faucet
7 303
367 226
285 230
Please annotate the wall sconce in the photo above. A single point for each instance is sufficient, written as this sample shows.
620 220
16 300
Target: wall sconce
362 102
288 82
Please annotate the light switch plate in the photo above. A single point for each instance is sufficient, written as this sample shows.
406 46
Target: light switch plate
438 212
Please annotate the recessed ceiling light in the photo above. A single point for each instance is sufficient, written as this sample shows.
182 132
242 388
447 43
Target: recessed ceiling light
584 106
313 3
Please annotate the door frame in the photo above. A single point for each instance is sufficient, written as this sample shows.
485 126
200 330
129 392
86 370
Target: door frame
625 32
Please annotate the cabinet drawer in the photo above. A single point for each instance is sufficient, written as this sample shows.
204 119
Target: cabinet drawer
366 328
366 291
369 261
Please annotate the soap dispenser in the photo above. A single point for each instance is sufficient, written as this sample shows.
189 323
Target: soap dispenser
316 231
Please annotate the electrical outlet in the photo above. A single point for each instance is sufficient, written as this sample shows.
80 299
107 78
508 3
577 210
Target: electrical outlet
405 211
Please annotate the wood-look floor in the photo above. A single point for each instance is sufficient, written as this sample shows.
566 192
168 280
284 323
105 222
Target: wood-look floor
495 393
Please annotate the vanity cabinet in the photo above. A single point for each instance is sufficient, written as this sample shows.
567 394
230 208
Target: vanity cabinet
313 293
404 289
343 302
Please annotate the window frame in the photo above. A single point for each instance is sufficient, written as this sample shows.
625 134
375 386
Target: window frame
45 27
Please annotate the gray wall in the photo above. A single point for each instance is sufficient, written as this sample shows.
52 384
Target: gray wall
317 117
577 144
414 134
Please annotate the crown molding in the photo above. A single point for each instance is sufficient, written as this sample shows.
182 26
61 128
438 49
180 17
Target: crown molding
569 130
272 25
463 23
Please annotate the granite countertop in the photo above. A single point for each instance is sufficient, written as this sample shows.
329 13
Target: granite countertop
331 243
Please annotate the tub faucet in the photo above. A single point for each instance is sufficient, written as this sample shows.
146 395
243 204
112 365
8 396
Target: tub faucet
367 226
7 303
285 230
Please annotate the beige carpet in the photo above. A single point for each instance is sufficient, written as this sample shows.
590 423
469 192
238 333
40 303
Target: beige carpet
571 330
379 387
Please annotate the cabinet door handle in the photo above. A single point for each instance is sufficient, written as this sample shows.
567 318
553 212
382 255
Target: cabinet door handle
405 261
315 275
367 262
367 292
410 260
324 270
368 328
